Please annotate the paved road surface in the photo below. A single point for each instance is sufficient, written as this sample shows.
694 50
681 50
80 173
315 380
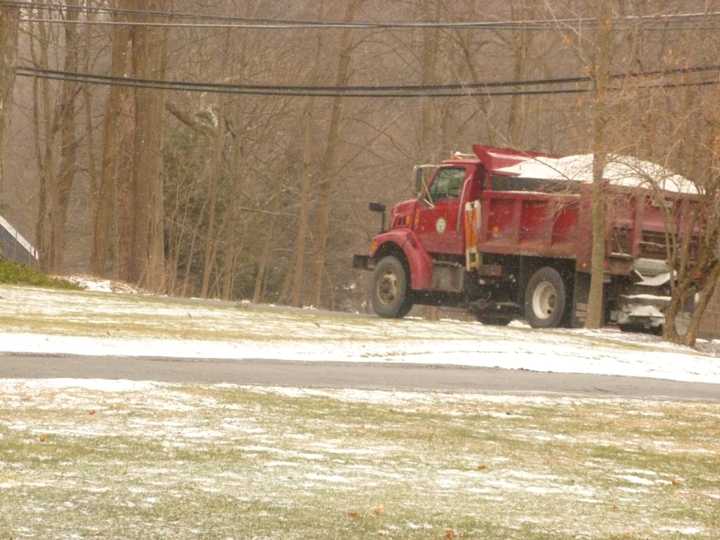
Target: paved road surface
347 375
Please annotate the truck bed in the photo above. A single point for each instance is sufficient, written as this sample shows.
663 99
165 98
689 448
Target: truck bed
559 225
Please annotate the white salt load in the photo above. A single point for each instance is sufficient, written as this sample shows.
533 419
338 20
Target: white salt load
620 170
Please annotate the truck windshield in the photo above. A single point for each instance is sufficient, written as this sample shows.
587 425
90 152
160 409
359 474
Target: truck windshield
447 184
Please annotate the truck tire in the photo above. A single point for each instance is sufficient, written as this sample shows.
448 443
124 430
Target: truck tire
390 289
546 299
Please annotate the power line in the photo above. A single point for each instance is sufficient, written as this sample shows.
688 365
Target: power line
399 88
525 26
409 91
287 24
259 90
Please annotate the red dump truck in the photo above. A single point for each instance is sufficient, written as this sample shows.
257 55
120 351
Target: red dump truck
505 245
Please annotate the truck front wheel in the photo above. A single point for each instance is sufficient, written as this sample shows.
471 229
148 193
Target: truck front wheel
546 299
390 293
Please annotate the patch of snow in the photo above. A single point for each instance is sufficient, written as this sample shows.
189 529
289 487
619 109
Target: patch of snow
525 475
536 484
333 478
286 334
94 284
96 385
632 479
620 170
643 472
416 526
687 531
633 490
536 354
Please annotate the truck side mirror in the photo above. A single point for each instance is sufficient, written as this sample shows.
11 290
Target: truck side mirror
376 207
380 209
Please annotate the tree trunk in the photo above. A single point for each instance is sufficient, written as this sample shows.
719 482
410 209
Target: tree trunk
213 168
706 295
233 245
328 160
595 311
265 258
111 218
93 175
298 272
68 149
8 53
147 261
520 50
428 146
45 128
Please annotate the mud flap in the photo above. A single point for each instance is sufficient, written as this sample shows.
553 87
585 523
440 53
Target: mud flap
581 292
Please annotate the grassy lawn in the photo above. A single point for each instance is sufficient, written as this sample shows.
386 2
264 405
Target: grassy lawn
99 314
145 460
12 273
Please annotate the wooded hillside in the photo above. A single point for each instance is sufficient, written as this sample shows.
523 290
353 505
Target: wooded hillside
258 188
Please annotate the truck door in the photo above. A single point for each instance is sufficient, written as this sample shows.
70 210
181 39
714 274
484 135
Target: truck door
436 222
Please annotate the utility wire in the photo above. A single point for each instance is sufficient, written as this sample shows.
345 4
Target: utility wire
286 24
391 88
558 26
296 93
474 89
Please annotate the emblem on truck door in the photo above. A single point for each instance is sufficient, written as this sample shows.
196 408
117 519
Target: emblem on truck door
440 225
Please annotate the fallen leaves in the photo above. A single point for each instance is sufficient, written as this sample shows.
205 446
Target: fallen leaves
375 511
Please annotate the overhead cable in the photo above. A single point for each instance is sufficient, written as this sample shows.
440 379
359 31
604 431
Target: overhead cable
224 21
489 89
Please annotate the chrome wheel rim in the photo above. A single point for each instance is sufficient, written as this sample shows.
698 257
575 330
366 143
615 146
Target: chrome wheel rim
544 300
387 288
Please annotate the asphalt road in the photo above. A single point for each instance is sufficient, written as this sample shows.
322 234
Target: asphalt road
349 375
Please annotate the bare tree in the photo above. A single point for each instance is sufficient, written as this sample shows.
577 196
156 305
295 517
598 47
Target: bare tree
130 205
8 52
327 162
111 212
149 62
601 73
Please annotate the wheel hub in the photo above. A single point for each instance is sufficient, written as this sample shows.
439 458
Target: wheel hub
387 288
544 300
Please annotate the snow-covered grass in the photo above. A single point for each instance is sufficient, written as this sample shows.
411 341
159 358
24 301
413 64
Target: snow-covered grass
94 284
114 459
93 323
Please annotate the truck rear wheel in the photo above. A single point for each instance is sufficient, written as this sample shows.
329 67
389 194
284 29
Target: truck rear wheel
546 299
390 293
